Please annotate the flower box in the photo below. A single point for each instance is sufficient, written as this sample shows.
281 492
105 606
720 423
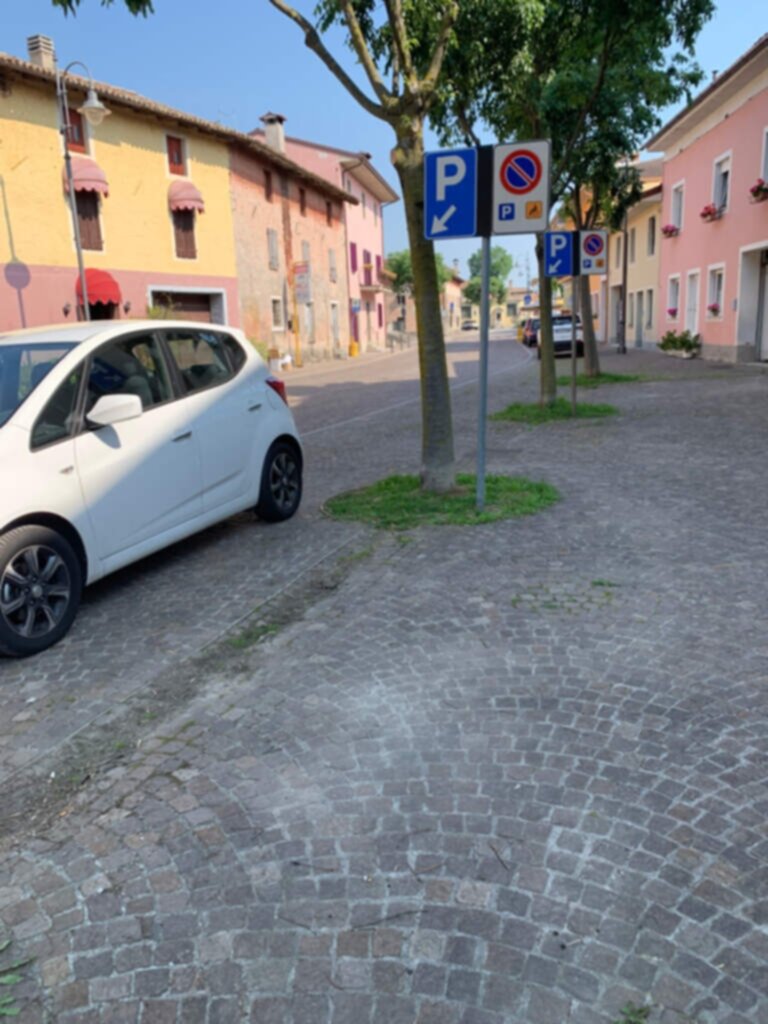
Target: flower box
759 191
714 309
672 313
670 230
710 212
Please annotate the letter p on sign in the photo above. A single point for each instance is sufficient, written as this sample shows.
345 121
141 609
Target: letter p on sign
451 170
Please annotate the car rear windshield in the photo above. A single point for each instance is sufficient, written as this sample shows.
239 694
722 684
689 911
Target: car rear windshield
22 367
561 321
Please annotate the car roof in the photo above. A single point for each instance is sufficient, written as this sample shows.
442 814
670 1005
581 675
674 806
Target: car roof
77 333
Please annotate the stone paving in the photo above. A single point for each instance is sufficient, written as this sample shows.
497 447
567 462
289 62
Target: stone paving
508 775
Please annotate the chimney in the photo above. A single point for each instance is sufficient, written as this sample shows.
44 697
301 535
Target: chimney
40 51
274 131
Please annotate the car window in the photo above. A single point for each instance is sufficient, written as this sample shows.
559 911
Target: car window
200 358
59 417
129 366
234 349
22 367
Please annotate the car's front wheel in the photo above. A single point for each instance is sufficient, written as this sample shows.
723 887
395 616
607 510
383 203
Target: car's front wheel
281 483
40 586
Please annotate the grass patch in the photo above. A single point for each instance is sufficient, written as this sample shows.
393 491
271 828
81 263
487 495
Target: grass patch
9 976
533 414
583 381
632 1014
603 583
399 503
251 635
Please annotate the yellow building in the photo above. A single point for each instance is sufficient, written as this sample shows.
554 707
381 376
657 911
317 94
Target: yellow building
154 201
642 238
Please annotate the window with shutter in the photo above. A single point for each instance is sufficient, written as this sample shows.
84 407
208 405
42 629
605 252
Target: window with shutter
175 154
274 261
77 141
378 268
88 220
332 264
367 268
268 186
303 201
305 254
184 234
353 257
651 236
381 315
329 213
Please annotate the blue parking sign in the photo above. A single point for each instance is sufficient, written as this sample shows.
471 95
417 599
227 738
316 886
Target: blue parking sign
450 193
559 253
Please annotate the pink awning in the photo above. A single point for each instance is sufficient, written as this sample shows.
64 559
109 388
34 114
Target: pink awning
87 176
184 195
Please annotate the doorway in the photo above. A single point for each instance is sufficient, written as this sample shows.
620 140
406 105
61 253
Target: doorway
692 301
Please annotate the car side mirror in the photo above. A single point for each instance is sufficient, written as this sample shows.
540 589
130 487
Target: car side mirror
111 409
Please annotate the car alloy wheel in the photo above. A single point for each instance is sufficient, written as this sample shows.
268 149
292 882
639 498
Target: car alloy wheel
35 592
281 483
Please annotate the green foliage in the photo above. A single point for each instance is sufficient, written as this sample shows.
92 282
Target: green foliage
632 1014
398 502
399 263
682 342
134 6
534 414
10 976
502 264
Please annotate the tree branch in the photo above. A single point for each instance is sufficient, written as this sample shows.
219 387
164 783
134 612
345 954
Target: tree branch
449 20
362 51
400 38
313 42
465 124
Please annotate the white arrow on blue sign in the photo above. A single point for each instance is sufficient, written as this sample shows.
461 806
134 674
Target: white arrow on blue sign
559 253
450 193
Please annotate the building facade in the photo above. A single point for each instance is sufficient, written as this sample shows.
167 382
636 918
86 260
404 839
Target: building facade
714 249
643 241
176 215
368 286
152 199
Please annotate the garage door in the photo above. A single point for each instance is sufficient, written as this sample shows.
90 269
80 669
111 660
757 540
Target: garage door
187 305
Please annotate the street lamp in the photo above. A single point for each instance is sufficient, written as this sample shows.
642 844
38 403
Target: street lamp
94 111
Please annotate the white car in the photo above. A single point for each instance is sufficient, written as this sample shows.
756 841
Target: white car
117 440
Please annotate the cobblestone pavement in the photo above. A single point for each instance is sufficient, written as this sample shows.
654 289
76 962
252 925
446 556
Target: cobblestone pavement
507 775
136 624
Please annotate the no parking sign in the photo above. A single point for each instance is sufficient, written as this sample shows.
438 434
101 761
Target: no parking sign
593 246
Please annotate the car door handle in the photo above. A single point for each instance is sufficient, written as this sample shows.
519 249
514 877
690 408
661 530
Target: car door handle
183 437
254 407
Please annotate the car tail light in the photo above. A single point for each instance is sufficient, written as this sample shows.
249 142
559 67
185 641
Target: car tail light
279 387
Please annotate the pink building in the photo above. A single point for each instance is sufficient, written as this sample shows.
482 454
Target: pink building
714 249
367 282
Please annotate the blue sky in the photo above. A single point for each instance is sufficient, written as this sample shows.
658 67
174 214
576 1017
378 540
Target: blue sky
232 60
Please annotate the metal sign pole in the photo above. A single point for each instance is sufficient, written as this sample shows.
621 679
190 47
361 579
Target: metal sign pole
482 415
574 306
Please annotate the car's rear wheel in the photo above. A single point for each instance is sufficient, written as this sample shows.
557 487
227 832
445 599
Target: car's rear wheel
281 483
40 586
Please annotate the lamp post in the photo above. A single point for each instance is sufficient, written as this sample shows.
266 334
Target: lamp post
94 111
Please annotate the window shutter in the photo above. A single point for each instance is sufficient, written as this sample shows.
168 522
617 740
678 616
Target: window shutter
184 234
175 154
353 257
88 219
76 131
268 186
332 264
303 201
274 261
381 315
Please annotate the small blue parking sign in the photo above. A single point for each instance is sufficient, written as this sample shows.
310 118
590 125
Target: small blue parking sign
450 194
559 253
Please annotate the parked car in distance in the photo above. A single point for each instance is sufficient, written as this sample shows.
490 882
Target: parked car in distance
531 332
562 331
470 325
118 440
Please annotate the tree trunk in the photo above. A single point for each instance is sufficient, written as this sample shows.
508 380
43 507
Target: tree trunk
548 377
438 469
591 357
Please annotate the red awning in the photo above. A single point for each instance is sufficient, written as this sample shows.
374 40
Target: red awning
87 176
184 195
102 287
